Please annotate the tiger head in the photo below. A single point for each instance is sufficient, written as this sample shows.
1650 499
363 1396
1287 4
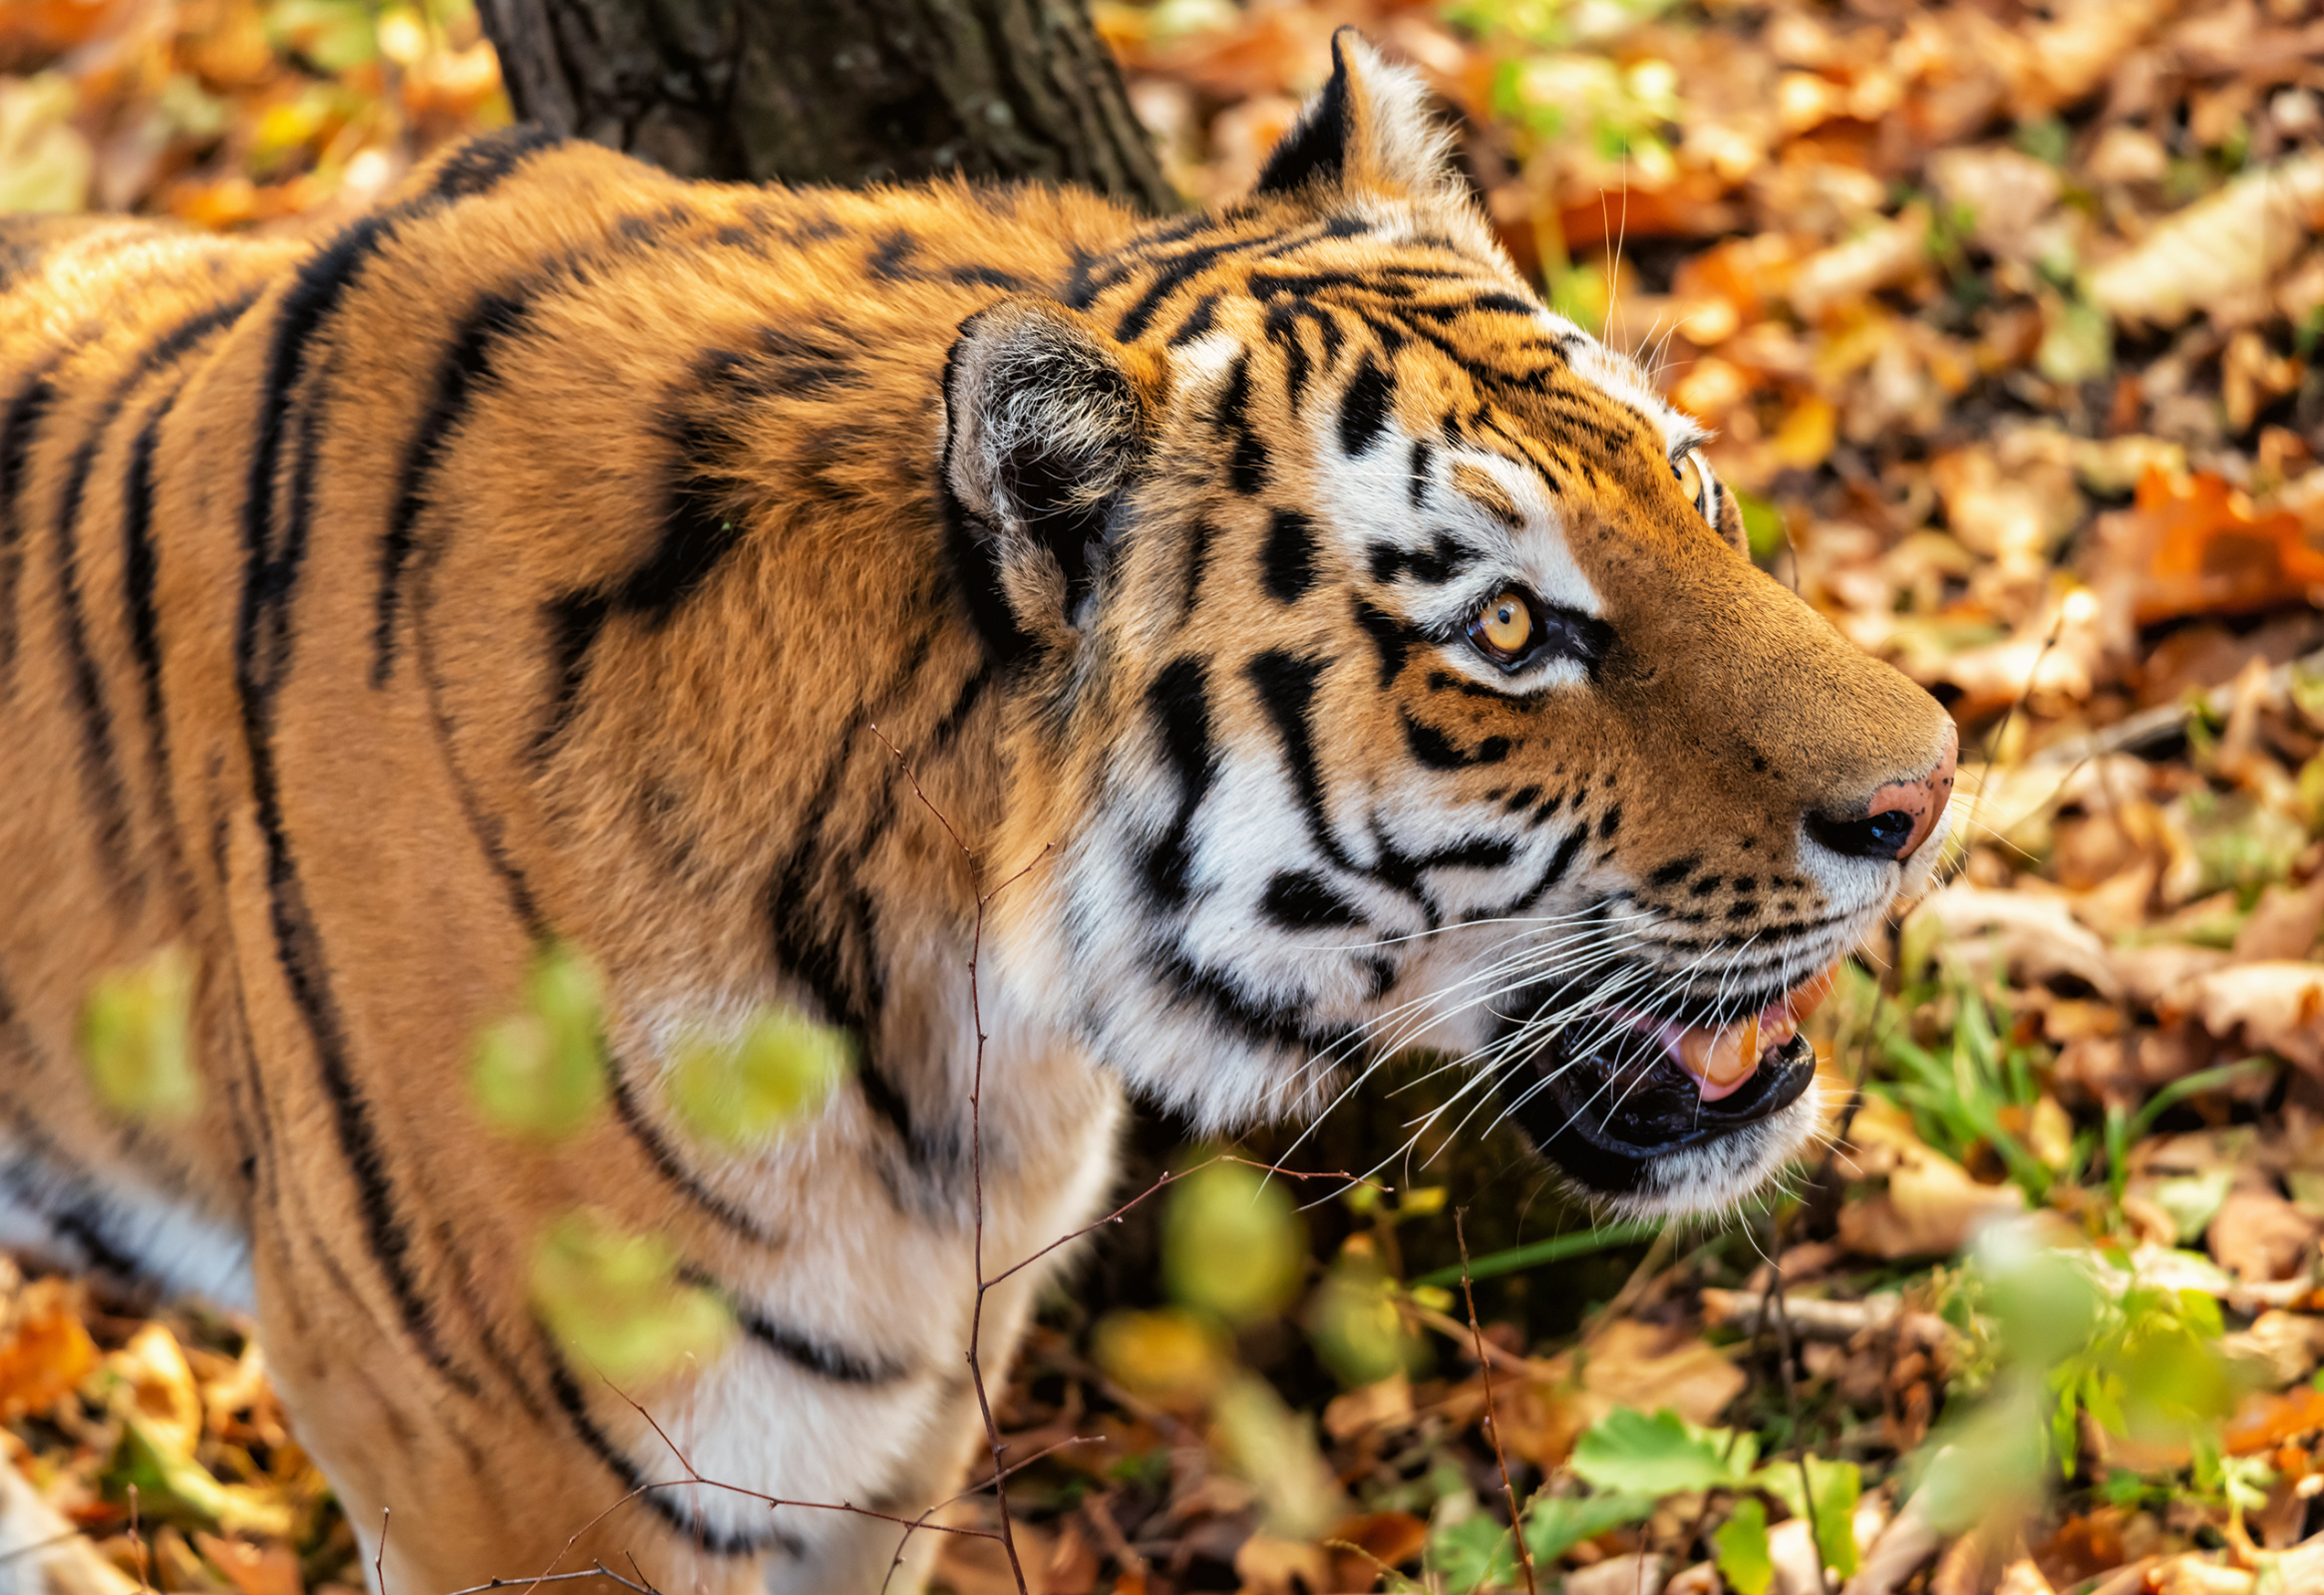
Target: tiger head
1390 672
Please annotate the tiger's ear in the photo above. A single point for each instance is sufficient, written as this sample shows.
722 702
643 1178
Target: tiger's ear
1046 421
1366 130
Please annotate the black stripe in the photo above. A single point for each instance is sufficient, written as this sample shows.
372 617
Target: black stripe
684 1523
816 1357
1391 636
1364 407
19 428
1287 558
261 657
477 167
466 362
1286 687
100 759
1255 1023
1433 748
1302 900
703 524
666 1164
1181 705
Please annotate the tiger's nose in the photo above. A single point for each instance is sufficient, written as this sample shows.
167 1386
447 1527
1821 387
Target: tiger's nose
1900 815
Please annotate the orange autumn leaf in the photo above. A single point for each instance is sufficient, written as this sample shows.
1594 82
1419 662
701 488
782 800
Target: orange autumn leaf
2265 1422
2210 553
253 1569
45 1352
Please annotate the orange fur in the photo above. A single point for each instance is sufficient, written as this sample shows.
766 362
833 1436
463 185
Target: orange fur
559 550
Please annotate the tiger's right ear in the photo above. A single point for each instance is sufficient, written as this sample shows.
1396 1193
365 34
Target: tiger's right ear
1047 421
1366 130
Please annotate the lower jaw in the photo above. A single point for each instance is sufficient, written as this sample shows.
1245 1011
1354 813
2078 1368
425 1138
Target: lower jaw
1607 1122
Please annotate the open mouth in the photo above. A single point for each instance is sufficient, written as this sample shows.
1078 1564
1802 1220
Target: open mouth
1615 1088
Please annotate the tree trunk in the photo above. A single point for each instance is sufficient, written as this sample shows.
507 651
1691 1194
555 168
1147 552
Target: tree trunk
833 90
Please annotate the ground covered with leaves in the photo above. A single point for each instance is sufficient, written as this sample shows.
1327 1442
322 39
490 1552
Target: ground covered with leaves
2007 318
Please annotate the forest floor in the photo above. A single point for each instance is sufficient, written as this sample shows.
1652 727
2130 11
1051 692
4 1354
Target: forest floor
2007 317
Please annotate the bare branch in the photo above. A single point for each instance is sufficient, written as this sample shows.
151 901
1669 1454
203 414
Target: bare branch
1491 1419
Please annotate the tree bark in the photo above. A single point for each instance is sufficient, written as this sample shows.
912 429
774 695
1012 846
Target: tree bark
843 91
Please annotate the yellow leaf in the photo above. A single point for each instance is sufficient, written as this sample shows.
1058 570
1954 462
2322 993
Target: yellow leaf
750 1088
540 1072
1232 1243
136 1038
615 1299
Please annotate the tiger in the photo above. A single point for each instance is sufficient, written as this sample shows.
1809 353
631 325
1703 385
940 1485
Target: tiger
1067 655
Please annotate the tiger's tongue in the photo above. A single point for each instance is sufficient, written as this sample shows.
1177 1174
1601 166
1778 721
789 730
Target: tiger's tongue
1722 1058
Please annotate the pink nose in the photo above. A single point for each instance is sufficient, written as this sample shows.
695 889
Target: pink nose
1923 800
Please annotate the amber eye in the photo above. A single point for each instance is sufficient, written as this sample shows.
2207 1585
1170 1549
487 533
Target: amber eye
1503 628
1689 479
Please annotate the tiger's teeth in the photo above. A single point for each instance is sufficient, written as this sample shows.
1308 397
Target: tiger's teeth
1722 1058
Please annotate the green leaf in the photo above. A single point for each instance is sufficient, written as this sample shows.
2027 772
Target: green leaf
1556 1249
1356 1327
1232 1243
172 1487
136 1038
1838 1486
1472 1555
616 1300
1659 1456
747 1088
1555 1524
1742 1547
540 1072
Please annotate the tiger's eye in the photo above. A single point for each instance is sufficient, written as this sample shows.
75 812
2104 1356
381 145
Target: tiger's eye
1505 626
1689 479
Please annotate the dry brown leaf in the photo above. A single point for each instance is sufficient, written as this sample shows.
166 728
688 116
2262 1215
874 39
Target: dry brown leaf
1637 1573
2033 938
1381 1539
2231 242
270 1569
1369 1406
2284 925
1931 1206
1631 1364
2021 1578
2283 1347
2258 1236
1270 1566
2194 1573
45 1351
1882 255
969 1565
2275 1005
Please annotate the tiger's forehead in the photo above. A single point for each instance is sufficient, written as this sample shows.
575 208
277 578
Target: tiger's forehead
1434 329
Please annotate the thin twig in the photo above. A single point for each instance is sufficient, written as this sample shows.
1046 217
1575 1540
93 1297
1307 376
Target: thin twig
136 1543
1775 1308
1492 1417
379 1554
984 1406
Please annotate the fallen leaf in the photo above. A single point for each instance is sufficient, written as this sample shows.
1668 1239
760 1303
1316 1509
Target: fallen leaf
45 1351
2258 1236
2265 1420
2284 925
254 1569
2275 1005
1636 1573
2235 240
1270 1566
1645 1365
2193 544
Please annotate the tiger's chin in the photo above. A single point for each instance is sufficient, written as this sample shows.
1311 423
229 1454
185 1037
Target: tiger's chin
1637 1133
